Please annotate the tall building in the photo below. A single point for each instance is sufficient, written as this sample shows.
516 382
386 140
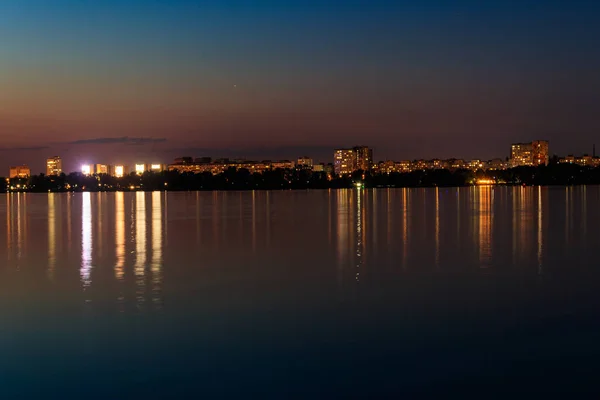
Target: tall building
22 171
53 166
529 154
364 158
521 154
343 161
540 153
119 171
102 169
347 161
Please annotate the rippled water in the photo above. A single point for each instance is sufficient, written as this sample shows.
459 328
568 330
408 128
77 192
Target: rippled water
299 294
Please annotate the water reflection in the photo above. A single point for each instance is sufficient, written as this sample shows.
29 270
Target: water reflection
9 225
157 247
120 235
140 246
485 225
51 234
86 240
254 220
539 229
359 233
437 227
343 230
405 206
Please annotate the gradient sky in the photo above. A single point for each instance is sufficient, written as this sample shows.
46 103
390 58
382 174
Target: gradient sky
120 81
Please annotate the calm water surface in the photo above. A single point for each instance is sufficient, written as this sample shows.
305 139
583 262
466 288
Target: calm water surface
316 294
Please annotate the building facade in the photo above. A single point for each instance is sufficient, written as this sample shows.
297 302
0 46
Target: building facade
540 152
21 171
529 154
305 162
347 161
364 158
343 161
53 166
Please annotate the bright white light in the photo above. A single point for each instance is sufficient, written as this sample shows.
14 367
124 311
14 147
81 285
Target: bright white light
86 240
155 167
119 171
86 169
140 168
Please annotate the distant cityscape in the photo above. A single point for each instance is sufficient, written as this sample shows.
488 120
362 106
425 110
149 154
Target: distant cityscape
346 161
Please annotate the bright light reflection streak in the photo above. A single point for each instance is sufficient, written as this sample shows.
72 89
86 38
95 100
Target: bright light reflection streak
19 231
86 240
359 238
51 235
539 232
9 220
156 246
343 226
404 227
120 235
485 226
437 227
254 220
140 244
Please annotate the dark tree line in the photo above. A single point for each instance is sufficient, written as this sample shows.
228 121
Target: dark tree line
242 179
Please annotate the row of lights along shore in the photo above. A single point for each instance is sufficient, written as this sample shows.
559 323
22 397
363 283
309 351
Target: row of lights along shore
119 171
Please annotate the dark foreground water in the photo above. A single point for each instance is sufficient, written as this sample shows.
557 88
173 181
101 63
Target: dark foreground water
318 294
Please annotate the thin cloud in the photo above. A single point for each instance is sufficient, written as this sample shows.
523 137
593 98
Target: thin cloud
256 153
120 140
32 148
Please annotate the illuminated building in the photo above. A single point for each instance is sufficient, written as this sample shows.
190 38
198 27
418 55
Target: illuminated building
497 163
584 160
521 155
476 164
101 169
529 154
87 169
420 165
305 162
457 164
157 167
343 161
404 166
53 166
22 171
140 168
318 167
570 159
119 171
540 154
347 161
364 158
285 164
386 167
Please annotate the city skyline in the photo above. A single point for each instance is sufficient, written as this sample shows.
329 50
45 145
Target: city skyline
128 79
344 161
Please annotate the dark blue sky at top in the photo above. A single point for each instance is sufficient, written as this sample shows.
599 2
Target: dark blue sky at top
411 78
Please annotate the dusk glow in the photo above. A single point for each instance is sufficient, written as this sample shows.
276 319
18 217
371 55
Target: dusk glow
131 80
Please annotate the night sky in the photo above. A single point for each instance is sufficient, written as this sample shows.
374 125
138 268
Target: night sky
148 80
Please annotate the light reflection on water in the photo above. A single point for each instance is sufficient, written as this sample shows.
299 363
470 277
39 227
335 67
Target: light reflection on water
140 246
358 225
157 247
86 240
248 276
